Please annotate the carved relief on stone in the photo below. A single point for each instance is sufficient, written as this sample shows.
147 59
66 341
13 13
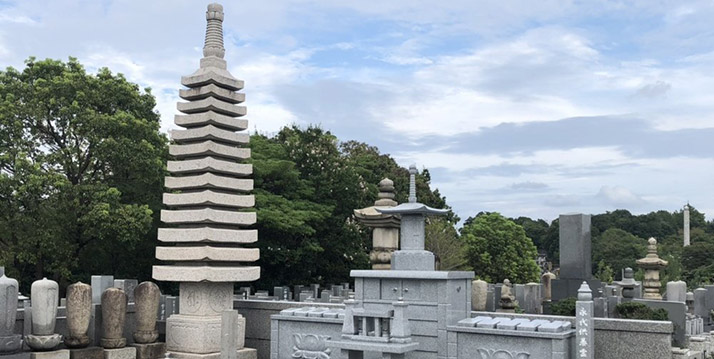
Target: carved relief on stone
502 354
311 346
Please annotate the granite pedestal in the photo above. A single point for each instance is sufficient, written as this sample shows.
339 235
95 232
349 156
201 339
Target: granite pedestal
54 354
120 353
149 351
87 353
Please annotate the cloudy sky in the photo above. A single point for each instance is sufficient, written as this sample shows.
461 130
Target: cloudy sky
530 108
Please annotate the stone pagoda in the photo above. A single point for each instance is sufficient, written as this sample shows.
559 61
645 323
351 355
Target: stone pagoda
652 264
207 200
436 299
385 227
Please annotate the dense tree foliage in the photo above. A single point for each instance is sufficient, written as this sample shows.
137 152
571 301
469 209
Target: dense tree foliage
307 186
497 248
443 240
81 173
81 176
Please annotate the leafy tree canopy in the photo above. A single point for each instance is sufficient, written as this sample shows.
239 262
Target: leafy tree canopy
81 171
497 248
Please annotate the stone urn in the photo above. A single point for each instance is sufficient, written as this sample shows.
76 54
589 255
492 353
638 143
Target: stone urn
9 342
79 312
114 302
44 295
146 304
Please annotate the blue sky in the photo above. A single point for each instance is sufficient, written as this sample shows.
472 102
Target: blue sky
530 108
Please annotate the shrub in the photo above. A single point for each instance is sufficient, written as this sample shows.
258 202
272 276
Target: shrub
634 310
564 307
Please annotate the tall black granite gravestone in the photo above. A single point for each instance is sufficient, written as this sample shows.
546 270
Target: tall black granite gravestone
575 257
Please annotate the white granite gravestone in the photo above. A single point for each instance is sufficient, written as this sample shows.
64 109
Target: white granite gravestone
584 330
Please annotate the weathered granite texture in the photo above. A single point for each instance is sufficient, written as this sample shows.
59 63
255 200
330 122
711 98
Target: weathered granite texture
385 227
632 339
575 246
676 291
411 255
120 353
479 294
44 295
9 341
210 175
584 328
208 206
652 264
87 353
79 313
55 354
146 305
114 302
676 313
150 351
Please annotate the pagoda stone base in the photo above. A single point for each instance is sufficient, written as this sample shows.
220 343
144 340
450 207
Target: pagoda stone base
244 353
87 353
20 355
199 334
121 353
54 354
150 351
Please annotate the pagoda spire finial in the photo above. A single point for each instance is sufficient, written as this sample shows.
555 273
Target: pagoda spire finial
412 184
214 32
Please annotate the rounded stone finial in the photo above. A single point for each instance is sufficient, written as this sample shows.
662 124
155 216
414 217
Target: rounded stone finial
385 198
652 241
506 282
214 11
629 273
413 169
213 45
584 292
386 184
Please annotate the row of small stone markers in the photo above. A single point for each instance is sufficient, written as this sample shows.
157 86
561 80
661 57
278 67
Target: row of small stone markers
45 343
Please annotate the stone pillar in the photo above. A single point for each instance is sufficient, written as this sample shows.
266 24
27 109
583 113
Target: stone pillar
208 194
584 330
575 246
114 303
676 291
146 306
79 313
686 225
479 294
229 319
44 296
532 298
9 341
547 280
147 296
700 304
400 331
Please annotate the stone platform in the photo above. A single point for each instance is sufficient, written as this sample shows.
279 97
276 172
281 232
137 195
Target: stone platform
87 353
19 355
245 353
54 354
150 351
121 353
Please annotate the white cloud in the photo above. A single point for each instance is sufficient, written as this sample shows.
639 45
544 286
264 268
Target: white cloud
618 196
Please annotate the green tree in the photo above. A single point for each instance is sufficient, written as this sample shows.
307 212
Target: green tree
604 272
618 249
497 248
443 240
81 173
307 186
